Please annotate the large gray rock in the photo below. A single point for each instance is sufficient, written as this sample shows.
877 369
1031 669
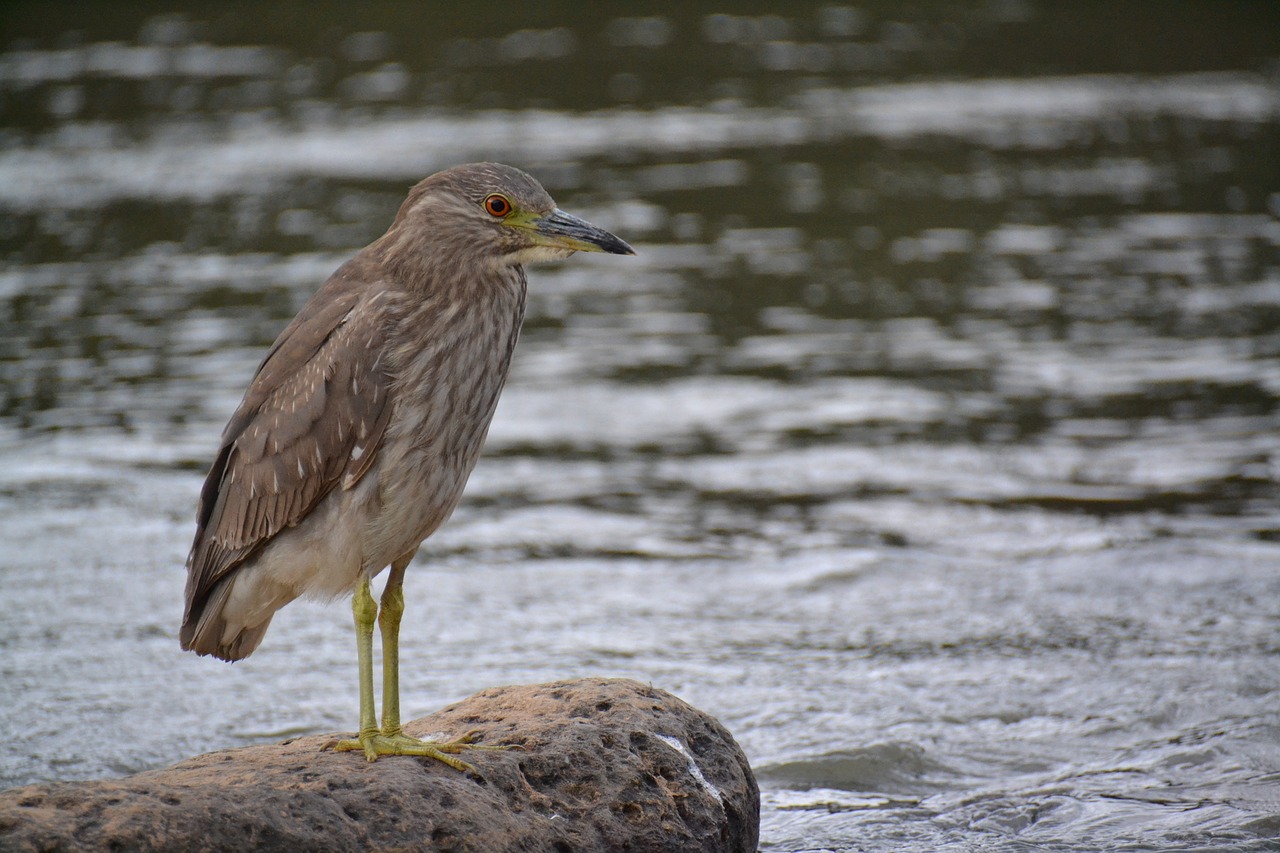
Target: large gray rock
602 764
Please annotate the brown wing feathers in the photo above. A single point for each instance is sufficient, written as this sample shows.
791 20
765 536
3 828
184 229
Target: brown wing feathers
320 394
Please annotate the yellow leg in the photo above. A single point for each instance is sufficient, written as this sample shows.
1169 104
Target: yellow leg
365 611
389 625
391 739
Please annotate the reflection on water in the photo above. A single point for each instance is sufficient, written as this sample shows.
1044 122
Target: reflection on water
930 441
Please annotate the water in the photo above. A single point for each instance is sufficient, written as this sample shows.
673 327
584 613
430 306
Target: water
931 442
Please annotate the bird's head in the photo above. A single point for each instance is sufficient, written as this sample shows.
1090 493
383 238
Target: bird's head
498 214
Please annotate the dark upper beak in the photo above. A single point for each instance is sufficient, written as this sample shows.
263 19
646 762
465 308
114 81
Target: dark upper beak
565 231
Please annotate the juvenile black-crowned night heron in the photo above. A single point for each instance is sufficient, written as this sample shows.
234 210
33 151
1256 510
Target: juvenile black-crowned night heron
360 428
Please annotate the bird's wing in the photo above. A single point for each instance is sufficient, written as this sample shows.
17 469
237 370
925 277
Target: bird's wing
313 419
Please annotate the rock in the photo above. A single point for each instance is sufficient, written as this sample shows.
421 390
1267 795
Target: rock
601 764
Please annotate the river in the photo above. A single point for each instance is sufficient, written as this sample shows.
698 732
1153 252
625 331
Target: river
931 441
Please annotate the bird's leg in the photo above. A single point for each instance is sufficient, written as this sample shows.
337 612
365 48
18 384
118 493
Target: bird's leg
365 612
391 739
389 625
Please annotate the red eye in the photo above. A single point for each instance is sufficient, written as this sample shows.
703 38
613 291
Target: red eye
496 205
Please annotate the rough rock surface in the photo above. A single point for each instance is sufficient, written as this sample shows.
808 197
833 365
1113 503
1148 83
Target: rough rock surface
600 764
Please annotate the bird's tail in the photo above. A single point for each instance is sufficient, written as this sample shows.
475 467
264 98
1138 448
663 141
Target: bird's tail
206 630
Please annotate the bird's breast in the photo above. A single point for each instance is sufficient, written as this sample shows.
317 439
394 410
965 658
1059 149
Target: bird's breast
451 365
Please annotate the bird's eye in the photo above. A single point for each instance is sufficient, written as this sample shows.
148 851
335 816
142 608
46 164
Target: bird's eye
496 205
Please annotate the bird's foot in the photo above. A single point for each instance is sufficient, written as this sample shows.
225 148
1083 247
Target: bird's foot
378 743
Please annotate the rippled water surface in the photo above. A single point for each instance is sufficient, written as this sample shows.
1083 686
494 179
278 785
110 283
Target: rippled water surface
931 441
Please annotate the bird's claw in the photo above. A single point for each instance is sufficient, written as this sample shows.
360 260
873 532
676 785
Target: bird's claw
375 744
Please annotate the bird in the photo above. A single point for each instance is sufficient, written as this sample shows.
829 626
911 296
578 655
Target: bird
361 425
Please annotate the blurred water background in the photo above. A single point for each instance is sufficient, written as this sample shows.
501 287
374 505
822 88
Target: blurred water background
931 442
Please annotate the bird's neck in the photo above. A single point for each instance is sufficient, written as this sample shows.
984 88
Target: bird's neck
452 346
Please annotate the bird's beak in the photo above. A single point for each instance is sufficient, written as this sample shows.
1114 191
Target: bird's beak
560 230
